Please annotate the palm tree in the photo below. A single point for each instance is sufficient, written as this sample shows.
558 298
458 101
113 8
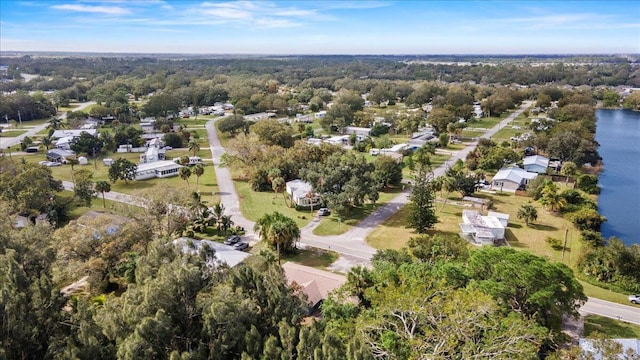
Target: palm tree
193 146
184 173
184 160
528 213
102 187
551 198
46 141
278 230
277 184
56 123
225 222
216 215
198 170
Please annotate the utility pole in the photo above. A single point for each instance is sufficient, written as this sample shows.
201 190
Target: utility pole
20 118
564 247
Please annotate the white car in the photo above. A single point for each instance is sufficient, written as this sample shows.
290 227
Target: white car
635 299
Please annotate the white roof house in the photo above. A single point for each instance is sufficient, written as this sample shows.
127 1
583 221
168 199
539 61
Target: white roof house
484 230
224 253
395 149
58 134
159 169
502 217
152 154
302 193
536 163
65 143
511 179
320 114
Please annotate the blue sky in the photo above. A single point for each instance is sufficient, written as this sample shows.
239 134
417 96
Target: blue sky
322 27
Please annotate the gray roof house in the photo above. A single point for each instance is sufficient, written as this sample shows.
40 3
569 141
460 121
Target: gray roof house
302 193
536 163
224 253
511 179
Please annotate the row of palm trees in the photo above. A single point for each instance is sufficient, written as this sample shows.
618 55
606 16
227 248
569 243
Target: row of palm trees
204 217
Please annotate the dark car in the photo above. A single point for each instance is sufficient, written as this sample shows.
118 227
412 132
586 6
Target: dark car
324 212
233 239
241 246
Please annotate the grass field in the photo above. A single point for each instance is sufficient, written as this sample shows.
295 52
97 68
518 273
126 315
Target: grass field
12 133
334 225
611 328
313 257
254 205
531 238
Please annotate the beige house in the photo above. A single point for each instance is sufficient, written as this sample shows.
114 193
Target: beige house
316 284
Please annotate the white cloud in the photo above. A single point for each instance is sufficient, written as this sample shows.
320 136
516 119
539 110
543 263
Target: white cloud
108 10
254 14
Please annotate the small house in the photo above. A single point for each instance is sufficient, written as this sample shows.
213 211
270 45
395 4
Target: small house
159 169
320 114
536 163
360 132
83 160
60 155
302 193
314 283
482 230
511 179
223 253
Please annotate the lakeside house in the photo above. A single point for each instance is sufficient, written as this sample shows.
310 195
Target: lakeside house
511 179
536 163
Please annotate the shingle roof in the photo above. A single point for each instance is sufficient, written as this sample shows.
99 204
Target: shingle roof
316 284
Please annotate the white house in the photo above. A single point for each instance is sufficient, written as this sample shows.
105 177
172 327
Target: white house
338 140
536 163
302 193
223 253
159 169
395 149
502 217
64 143
319 114
259 116
511 179
152 154
483 230
58 134
360 132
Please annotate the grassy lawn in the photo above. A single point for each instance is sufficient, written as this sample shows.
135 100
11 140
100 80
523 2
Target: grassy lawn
208 186
611 328
313 257
334 225
111 207
63 109
487 122
604 294
393 234
254 205
12 133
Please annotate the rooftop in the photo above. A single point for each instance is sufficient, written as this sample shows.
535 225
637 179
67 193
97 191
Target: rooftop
316 284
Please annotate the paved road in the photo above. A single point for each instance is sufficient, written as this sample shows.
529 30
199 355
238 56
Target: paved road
227 191
628 313
8 142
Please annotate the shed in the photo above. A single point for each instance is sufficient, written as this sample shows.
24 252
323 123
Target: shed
82 160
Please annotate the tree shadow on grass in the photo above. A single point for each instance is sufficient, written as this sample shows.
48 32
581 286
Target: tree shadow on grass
543 227
611 327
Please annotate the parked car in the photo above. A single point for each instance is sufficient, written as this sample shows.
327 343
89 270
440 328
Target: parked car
241 246
635 299
324 212
233 239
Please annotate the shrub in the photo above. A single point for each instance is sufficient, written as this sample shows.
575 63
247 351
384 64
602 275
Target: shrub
587 219
588 183
555 244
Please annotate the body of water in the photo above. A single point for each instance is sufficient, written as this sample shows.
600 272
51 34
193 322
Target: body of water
618 133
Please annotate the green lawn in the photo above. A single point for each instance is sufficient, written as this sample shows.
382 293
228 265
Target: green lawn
611 328
254 205
208 186
111 207
335 225
12 133
313 257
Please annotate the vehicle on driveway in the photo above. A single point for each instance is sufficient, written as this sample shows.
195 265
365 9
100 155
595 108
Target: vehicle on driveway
241 246
324 212
232 240
635 299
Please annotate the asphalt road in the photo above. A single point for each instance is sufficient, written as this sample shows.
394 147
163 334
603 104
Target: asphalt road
628 313
8 142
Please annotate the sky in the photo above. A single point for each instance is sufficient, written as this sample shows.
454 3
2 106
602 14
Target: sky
322 27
